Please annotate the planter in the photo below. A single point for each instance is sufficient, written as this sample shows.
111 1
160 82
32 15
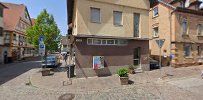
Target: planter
124 80
45 72
131 71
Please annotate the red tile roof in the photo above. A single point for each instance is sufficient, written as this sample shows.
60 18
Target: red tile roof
33 21
12 15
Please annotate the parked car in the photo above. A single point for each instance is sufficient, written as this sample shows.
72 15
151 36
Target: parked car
154 64
52 61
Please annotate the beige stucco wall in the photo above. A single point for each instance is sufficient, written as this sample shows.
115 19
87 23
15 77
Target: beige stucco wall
83 25
141 4
163 22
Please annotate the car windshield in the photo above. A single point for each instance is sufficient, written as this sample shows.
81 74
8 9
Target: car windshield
50 58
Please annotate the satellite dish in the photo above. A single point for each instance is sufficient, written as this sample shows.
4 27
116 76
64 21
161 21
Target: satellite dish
201 5
187 3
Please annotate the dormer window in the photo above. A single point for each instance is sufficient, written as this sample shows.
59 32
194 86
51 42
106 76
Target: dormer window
155 12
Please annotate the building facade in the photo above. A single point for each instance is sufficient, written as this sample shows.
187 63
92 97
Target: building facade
111 33
2 49
16 21
180 24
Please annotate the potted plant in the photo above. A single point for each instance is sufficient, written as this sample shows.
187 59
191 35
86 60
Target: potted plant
123 73
131 69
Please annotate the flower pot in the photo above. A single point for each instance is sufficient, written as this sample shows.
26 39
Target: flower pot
131 71
45 72
124 80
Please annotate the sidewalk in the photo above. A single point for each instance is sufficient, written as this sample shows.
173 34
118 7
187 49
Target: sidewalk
148 82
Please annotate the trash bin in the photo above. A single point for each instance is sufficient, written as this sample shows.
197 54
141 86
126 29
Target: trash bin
71 71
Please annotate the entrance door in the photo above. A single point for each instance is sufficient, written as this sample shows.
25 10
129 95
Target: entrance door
136 59
5 57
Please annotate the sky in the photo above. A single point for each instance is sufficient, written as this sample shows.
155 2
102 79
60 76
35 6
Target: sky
55 7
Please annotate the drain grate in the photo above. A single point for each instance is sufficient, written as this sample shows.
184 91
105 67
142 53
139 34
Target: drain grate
67 96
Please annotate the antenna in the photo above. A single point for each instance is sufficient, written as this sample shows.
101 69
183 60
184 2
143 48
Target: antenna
187 3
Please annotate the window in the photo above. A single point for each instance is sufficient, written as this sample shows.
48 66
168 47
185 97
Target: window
155 12
110 42
200 29
199 50
136 24
187 50
95 15
7 36
97 41
106 42
26 15
14 36
1 12
156 32
117 16
1 31
90 41
184 26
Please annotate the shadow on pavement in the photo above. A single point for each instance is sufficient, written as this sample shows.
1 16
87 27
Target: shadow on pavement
13 70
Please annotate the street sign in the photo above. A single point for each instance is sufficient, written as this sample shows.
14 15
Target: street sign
160 42
41 49
41 39
41 46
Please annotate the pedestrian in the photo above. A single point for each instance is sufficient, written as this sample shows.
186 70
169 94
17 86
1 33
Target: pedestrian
66 57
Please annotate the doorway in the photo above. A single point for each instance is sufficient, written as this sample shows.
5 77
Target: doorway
136 58
5 57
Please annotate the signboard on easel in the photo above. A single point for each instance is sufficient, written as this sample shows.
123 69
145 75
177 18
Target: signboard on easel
98 62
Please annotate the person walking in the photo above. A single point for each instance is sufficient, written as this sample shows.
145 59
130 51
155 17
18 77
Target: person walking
66 57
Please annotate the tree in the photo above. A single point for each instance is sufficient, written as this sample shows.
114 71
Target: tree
47 27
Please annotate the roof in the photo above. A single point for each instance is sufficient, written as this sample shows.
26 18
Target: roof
180 9
191 11
12 15
3 5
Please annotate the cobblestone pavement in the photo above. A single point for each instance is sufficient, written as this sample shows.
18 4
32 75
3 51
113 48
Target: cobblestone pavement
23 81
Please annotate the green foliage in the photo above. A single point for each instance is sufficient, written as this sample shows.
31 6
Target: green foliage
47 27
122 72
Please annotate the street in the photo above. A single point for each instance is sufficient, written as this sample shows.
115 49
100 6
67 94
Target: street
13 70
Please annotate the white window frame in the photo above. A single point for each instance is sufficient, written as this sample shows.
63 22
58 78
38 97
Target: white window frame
106 43
155 14
114 19
91 15
184 31
154 34
190 49
200 29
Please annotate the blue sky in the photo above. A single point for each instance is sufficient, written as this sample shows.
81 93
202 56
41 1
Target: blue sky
55 7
